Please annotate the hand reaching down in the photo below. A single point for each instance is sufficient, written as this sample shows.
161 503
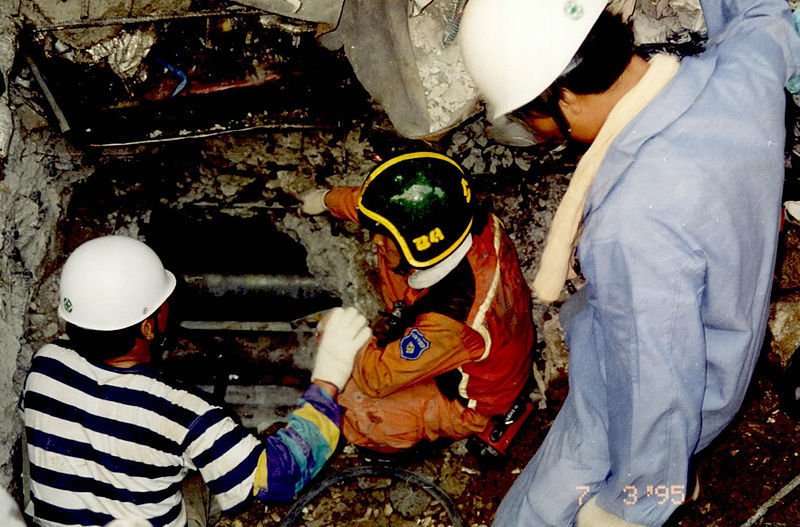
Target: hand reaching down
344 333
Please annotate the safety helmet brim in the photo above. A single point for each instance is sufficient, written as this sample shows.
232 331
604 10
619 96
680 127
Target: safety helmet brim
514 49
423 201
112 282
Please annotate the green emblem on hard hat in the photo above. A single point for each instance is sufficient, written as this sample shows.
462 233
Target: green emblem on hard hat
67 305
423 201
573 9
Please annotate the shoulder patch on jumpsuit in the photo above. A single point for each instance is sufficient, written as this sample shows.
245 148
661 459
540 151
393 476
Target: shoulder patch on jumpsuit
413 344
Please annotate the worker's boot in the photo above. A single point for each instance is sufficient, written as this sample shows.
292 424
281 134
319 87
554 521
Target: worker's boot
368 455
421 451
491 445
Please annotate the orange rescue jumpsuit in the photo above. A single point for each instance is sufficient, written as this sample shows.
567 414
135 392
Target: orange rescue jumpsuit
463 358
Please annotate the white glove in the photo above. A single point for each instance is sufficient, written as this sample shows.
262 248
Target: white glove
343 334
312 202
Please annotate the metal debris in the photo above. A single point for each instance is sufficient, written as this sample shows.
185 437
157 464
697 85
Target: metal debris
125 52
762 510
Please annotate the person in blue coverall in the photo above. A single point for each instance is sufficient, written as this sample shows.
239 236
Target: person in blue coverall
673 213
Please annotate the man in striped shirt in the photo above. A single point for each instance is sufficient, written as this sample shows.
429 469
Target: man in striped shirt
108 436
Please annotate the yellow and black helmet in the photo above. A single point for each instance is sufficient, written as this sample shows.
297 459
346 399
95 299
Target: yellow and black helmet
424 201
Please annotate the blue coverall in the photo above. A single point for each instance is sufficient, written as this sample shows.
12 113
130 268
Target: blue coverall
678 248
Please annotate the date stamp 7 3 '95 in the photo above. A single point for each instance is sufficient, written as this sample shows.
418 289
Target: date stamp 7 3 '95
666 494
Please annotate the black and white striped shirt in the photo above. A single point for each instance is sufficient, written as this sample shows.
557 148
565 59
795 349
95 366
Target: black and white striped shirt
108 443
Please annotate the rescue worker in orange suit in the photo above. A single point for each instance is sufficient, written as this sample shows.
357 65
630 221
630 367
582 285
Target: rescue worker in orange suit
457 349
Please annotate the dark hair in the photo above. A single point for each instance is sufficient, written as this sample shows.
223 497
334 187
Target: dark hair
98 346
601 59
603 56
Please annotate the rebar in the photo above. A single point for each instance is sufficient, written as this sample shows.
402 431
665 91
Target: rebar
144 19
789 487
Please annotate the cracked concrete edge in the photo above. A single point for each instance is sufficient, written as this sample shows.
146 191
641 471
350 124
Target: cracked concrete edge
8 50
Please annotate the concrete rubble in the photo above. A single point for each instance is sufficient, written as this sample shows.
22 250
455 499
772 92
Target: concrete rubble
666 20
8 48
37 171
125 52
80 19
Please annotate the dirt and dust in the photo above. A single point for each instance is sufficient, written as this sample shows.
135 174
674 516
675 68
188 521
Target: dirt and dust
254 176
749 463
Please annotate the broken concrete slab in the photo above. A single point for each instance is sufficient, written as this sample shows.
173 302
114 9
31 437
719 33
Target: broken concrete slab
44 14
323 11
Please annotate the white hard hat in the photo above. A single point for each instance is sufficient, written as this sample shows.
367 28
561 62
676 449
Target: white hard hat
514 49
112 282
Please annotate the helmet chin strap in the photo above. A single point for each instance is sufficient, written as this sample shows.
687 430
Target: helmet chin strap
422 278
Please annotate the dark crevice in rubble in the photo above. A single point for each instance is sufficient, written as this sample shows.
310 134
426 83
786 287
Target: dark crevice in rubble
220 359
244 288
235 269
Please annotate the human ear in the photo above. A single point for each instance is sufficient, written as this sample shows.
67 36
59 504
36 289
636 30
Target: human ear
147 329
569 103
